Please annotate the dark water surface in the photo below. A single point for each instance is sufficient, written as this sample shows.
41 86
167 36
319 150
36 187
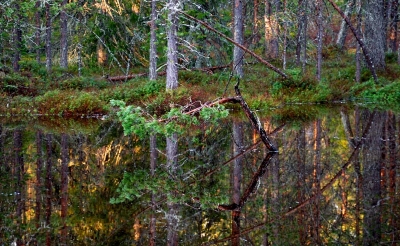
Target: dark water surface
335 181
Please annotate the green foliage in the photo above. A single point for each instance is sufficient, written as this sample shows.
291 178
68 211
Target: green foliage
385 95
137 121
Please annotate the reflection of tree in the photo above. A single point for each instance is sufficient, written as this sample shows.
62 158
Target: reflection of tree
372 202
19 172
172 169
236 179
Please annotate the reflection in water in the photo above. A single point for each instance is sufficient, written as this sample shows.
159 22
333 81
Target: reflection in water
333 182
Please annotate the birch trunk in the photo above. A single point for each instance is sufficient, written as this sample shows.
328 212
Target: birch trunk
341 38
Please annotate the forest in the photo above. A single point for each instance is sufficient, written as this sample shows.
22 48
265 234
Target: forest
73 57
204 122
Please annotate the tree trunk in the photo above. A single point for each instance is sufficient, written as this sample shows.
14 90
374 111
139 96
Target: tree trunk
320 33
358 48
38 31
64 36
271 28
341 37
301 46
238 54
172 50
375 32
17 39
48 37
153 39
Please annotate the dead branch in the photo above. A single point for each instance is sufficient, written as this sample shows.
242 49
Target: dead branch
357 35
259 58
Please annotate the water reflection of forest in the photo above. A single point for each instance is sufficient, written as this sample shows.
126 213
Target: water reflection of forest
335 180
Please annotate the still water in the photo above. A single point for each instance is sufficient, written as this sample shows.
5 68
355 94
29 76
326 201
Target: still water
334 181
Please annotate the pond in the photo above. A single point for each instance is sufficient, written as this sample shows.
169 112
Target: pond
335 180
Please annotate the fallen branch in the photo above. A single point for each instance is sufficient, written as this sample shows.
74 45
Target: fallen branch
277 70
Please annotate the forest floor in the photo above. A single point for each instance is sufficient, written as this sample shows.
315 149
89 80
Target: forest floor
33 92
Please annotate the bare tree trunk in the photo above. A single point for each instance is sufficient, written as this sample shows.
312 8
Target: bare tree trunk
236 180
17 39
153 165
64 36
375 32
48 37
341 37
38 31
172 52
256 35
153 39
238 28
320 33
301 46
64 188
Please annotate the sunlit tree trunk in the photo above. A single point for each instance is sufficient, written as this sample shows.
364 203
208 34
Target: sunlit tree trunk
236 179
320 32
64 36
341 37
64 188
375 32
238 28
49 52
172 49
17 39
271 28
172 213
153 39
153 165
301 38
